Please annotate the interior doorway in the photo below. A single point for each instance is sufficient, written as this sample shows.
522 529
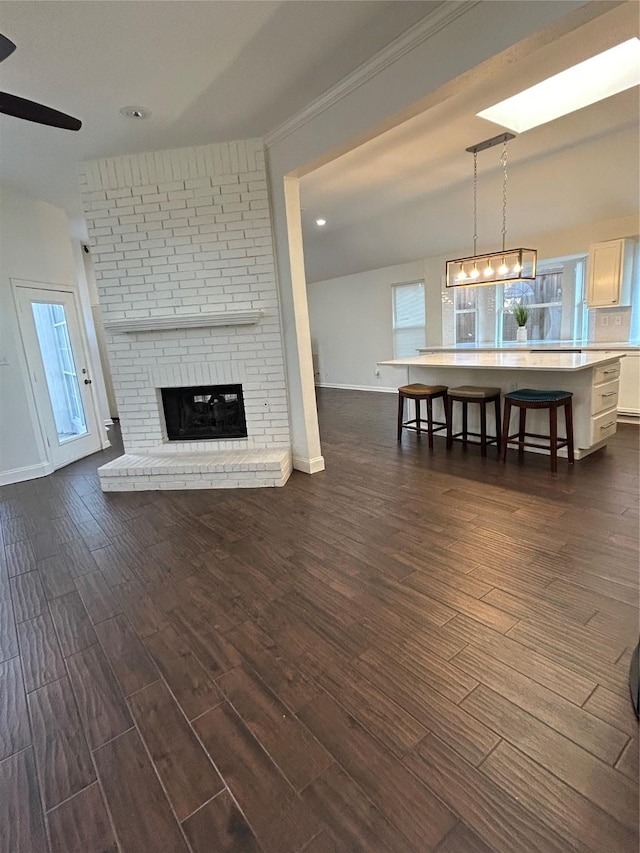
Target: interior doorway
58 370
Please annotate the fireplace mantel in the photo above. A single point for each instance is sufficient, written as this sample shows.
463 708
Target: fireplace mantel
184 321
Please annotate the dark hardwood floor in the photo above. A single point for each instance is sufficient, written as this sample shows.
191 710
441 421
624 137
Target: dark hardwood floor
413 651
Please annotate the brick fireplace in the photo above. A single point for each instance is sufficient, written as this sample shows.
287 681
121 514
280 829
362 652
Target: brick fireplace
182 250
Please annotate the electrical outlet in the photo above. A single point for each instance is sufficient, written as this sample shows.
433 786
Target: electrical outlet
604 320
618 320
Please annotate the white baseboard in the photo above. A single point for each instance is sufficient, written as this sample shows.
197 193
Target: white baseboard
357 387
308 466
29 472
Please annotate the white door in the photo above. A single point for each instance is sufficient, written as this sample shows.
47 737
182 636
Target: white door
59 372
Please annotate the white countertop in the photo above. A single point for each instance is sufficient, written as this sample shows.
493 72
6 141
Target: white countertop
537 346
554 361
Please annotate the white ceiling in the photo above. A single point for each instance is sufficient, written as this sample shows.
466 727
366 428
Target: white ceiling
407 193
214 70
208 72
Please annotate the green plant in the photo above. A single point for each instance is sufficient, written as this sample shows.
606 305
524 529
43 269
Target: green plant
520 314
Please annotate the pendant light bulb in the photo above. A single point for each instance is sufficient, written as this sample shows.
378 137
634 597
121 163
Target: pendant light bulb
517 267
488 270
475 272
503 269
462 274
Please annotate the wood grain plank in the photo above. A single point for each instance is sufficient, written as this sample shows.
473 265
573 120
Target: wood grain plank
55 576
194 690
291 746
42 660
565 682
273 665
14 720
629 761
8 634
64 763
590 732
591 777
450 722
28 596
462 840
615 709
356 823
81 824
103 711
129 660
19 558
96 597
21 820
139 809
461 601
564 810
406 803
385 719
216 654
281 821
72 623
502 823
220 825
188 776
146 618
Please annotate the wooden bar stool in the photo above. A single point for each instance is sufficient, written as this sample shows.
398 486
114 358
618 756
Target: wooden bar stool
529 398
418 392
466 394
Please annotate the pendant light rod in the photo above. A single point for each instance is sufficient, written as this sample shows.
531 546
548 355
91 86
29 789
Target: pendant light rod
489 143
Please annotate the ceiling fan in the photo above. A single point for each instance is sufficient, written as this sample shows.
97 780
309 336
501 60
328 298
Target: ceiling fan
12 105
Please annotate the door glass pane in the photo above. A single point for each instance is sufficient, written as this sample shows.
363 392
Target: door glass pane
60 370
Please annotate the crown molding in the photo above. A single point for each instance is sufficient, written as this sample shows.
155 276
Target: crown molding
429 26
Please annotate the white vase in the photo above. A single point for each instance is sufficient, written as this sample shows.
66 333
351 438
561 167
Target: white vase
521 335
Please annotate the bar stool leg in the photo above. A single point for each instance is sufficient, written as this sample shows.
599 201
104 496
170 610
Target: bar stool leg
483 429
400 415
498 432
522 428
464 424
430 421
553 437
568 419
449 423
505 428
418 432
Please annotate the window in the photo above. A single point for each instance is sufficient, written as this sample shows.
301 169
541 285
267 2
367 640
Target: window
466 314
555 303
408 318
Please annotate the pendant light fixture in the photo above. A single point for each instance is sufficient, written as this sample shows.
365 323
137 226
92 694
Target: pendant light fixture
507 265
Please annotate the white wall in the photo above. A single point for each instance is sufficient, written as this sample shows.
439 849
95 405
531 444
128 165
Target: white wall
34 246
351 325
351 318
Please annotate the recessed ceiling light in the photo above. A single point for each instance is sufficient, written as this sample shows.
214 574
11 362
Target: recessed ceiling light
135 112
583 84
321 222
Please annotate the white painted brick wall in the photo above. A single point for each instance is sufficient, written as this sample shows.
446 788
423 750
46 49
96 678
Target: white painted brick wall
183 232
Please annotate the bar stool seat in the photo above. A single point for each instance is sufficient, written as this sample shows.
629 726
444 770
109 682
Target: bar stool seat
531 398
466 394
417 392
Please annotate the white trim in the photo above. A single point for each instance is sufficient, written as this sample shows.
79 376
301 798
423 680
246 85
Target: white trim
29 472
356 387
427 27
184 321
309 466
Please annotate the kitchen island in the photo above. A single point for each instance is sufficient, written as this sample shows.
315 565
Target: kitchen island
592 377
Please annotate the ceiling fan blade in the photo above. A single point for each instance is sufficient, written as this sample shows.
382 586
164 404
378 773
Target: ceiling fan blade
6 47
12 105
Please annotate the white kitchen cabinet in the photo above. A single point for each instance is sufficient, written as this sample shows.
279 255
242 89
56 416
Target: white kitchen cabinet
629 397
610 272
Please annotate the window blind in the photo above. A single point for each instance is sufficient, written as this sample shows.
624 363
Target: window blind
408 318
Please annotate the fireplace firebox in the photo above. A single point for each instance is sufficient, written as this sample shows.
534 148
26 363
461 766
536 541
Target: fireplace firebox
204 411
